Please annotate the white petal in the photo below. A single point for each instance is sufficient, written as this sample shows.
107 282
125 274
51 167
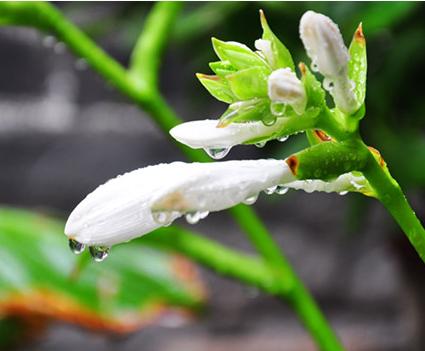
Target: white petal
204 134
345 182
121 209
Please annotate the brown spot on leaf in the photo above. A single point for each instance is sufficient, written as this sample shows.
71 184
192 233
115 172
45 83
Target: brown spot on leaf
207 76
378 155
303 68
292 162
321 135
359 36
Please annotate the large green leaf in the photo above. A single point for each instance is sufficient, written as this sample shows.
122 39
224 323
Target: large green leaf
39 276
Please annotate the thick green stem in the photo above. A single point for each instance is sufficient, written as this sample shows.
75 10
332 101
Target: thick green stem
392 197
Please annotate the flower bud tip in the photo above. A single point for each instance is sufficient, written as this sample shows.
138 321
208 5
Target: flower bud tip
359 36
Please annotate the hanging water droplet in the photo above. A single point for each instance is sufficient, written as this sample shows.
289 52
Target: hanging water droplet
59 48
162 217
251 199
342 193
283 138
270 190
261 144
203 214
75 246
277 109
49 41
281 190
192 217
80 64
269 119
328 84
314 67
99 253
356 185
217 153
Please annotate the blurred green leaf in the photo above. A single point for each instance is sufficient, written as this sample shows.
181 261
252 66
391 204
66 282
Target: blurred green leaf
249 83
39 277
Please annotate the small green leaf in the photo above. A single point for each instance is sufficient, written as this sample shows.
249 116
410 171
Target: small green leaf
313 88
249 83
281 54
217 87
244 111
357 66
239 55
222 68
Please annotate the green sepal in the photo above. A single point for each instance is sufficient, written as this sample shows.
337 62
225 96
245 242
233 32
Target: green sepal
239 55
314 91
222 68
244 111
217 87
249 83
357 66
282 56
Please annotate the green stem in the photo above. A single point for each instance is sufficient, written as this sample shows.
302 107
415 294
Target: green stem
392 197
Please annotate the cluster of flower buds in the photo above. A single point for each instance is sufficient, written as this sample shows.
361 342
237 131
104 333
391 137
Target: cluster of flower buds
266 101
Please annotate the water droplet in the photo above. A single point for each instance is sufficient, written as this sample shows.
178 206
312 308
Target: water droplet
356 185
283 138
269 119
162 217
270 190
75 246
217 153
277 109
261 144
203 214
328 84
81 64
192 217
342 193
59 48
49 41
251 199
99 253
314 67
281 190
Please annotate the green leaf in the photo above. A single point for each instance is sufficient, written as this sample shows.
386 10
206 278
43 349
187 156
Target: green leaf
222 68
239 55
217 87
39 277
249 83
357 66
314 91
282 56
243 111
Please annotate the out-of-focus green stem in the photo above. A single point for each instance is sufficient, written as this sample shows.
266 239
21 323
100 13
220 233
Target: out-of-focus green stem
140 86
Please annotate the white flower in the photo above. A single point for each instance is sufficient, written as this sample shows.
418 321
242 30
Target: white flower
285 87
204 134
265 48
329 55
140 201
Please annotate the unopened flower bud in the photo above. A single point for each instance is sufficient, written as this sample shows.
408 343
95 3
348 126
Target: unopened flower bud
285 87
324 44
265 48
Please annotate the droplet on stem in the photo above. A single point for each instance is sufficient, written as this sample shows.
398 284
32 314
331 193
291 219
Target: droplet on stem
260 144
281 190
277 109
283 138
268 120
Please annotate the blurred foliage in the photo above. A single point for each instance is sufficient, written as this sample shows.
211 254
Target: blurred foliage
40 279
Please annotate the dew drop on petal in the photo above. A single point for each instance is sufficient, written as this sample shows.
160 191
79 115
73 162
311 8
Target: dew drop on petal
283 138
162 217
99 253
76 247
270 190
328 84
281 190
277 109
269 120
342 193
356 185
251 199
260 144
217 153
192 217
203 214
314 67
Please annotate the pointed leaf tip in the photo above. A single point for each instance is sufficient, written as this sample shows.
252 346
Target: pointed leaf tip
302 68
358 35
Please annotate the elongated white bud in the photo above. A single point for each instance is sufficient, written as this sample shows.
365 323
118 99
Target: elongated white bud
204 134
329 55
140 201
265 48
285 87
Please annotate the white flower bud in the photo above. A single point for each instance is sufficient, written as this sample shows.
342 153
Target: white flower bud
265 47
285 87
324 44
204 134
329 55
141 201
